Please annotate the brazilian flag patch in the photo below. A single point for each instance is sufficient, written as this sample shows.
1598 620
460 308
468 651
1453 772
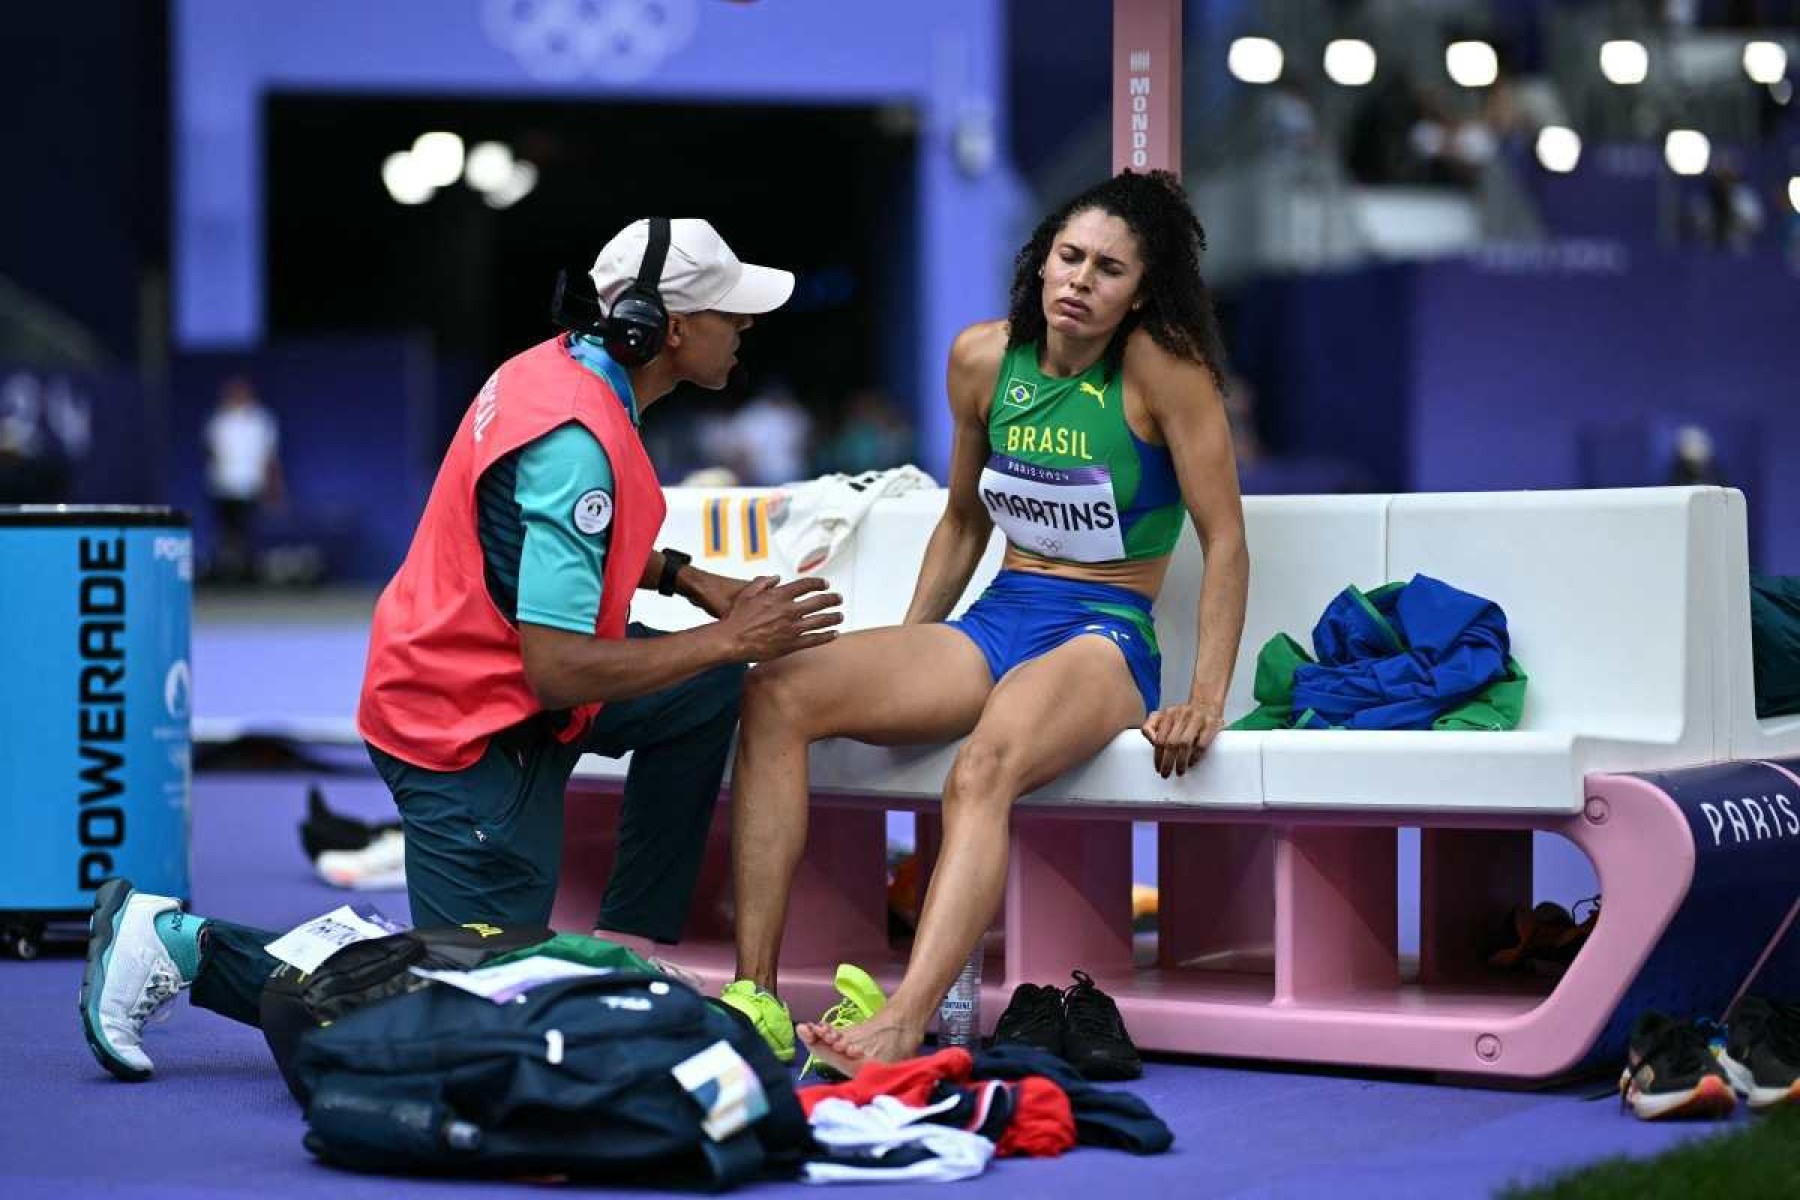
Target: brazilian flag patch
1020 392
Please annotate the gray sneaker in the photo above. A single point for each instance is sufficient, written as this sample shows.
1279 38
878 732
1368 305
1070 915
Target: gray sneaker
129 976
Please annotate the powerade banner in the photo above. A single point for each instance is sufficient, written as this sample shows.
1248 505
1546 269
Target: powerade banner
95 700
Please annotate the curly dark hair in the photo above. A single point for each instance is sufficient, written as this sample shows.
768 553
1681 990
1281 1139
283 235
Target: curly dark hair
1178 307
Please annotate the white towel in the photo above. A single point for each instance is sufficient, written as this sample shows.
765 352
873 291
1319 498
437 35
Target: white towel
810 522
859 1138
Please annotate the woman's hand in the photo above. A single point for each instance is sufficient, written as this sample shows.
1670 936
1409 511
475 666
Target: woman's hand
1181 733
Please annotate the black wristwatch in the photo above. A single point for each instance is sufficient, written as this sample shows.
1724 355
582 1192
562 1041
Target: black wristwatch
673 561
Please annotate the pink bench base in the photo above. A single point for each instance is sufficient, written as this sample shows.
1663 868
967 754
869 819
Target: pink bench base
1277 929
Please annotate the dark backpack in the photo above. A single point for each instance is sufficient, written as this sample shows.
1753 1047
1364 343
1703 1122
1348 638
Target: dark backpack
572 1079
363 972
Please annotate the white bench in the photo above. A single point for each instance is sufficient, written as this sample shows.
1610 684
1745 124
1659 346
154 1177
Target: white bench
1627 608
1277 856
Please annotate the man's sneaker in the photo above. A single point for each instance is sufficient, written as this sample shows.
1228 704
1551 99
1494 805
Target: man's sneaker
1094 1039
378 866
1033 1017
1670 1072
766 1014
1761 1055
324 830
129 976
860 998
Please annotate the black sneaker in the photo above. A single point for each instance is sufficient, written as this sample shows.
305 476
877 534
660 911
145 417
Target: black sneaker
1670 1072
324 830
1033 1017
1761 1055
1545 938
1094 1039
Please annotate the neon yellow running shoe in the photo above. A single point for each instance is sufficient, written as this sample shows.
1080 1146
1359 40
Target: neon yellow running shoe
861 999
765 1012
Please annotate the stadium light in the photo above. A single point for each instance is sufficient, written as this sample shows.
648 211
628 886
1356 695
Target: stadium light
404 180
519 184
1350 62
1558 148
1765 62
1687 151
1794 192
1624 62
1254 60
488 167
439 156
1472 64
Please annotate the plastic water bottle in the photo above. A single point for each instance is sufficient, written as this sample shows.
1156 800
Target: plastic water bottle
959 1015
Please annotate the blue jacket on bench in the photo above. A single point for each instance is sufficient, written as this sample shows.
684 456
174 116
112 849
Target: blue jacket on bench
1417 655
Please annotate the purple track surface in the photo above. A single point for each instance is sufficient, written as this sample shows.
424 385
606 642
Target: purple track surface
216 1120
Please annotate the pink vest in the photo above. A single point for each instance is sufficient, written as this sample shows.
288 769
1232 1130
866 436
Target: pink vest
445 671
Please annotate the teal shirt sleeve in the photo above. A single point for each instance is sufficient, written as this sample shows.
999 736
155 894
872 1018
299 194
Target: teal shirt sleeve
565 497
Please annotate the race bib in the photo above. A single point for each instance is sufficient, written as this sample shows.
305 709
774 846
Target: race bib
306 947
1066 513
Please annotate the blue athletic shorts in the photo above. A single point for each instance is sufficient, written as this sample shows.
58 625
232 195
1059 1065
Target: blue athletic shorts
1023 616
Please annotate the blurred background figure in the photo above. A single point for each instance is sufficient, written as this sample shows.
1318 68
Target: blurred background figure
768 439
710 458
243 476
1727 214
1240 410
1696 460
1379 142
871 435
1448 148
1290 119
34 469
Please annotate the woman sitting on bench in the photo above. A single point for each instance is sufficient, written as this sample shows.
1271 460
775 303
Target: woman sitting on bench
1088 425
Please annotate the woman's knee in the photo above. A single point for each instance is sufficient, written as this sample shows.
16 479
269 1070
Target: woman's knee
983 774
801 693
780 693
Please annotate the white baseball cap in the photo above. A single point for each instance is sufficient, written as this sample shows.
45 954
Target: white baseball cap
700 272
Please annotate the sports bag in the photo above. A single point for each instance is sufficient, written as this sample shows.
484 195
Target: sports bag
575 1078
361 973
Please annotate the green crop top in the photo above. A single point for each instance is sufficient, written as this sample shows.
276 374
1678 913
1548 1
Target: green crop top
1066 478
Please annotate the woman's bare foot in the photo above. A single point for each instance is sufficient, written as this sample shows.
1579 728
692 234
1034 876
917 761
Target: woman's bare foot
882 1038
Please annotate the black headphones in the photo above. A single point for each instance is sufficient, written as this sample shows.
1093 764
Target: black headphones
638 325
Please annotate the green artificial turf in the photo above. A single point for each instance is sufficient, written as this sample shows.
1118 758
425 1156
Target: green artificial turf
1762 1160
